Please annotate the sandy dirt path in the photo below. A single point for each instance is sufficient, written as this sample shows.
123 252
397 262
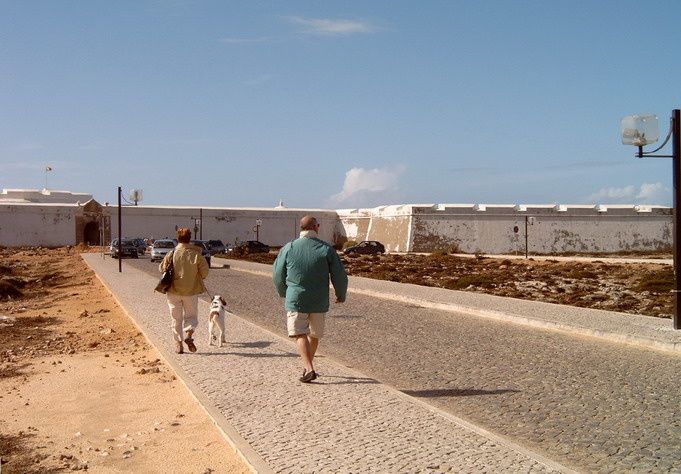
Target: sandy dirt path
79 386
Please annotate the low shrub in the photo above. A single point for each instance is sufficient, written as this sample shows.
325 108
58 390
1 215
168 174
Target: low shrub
480 281
8 291
657 284
349 243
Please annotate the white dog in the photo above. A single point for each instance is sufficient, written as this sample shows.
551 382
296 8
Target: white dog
216 320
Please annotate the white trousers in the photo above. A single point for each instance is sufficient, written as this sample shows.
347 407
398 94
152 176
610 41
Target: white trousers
184 310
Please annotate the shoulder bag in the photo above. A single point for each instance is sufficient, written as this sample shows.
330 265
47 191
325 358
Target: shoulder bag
167 278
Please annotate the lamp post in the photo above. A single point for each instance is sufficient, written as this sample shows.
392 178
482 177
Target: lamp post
120 239
530 220
197 222
256 228
641 130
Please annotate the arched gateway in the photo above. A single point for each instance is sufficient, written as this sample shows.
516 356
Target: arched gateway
93 226
91 234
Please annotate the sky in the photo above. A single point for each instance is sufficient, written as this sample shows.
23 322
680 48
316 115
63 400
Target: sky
337 104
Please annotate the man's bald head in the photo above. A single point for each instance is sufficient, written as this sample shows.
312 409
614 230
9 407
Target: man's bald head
308 223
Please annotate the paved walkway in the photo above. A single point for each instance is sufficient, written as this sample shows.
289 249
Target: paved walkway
346 422
353 417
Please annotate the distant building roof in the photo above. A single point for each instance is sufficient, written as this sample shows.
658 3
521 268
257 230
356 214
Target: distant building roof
42 196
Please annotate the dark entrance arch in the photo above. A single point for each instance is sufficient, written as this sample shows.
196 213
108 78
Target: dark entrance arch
91 233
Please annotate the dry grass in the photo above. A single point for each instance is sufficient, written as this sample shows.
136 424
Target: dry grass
630 288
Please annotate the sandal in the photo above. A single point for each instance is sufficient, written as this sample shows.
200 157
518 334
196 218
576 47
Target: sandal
190 344
308 376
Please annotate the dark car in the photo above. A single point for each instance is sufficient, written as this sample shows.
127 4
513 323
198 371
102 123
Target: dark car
368 247
141 245
203 244
216 246
128 248
250 246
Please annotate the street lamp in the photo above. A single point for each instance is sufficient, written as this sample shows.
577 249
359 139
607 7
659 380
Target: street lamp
197 222
641 130
256 229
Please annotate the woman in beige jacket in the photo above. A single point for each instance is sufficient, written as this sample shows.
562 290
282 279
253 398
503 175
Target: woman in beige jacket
189 270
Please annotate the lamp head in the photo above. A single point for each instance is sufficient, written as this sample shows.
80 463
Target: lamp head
640 130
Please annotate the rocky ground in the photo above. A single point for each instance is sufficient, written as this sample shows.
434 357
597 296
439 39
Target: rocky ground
80 389
639 288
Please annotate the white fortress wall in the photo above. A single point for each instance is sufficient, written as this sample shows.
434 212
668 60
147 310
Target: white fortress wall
390 225
47 225
26 219
500 228
278 226
551 228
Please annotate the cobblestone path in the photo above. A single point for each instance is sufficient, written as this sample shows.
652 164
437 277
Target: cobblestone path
589 404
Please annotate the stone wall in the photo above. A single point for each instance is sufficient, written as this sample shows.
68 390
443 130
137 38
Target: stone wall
469 228
551 229
278 226
47 225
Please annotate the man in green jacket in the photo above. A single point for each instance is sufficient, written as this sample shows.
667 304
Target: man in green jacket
301 275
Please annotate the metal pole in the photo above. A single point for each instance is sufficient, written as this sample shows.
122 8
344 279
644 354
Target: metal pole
120 239
201 224
676 157
525 236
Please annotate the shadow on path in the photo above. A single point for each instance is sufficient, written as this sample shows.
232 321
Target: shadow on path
455 392
344 380
254 344
263 355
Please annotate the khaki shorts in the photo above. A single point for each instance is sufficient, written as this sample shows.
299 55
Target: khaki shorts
305 323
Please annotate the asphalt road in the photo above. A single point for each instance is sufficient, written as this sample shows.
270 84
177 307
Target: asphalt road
590 404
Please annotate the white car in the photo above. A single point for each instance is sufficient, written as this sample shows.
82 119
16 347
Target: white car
160 248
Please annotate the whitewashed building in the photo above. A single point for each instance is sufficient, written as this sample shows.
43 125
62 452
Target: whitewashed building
56 218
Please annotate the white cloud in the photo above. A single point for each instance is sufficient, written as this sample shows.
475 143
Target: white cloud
322 26
653 193
367 187
647 193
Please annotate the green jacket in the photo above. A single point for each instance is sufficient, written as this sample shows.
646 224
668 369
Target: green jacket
301 274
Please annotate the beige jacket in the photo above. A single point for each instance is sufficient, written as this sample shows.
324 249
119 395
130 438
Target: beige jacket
190 269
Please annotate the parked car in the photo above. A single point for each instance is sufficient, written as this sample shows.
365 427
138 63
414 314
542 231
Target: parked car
216 246
160 248
203 244
128 248
370 247
250 246
141 245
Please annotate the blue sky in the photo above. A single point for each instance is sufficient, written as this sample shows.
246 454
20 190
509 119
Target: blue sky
337 104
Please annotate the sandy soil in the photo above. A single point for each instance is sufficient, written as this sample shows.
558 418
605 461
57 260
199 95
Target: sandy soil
79 386
638 288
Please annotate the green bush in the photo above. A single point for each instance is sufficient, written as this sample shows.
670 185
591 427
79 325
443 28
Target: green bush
481 281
